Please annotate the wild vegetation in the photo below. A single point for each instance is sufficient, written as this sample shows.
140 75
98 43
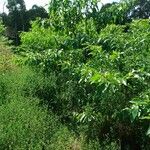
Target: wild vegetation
79 80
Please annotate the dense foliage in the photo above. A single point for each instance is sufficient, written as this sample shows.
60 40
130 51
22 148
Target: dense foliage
94 80
90 68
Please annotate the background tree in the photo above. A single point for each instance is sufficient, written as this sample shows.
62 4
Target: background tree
34 13
141 9
16 14
18 18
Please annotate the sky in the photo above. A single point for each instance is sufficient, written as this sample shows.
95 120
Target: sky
30 3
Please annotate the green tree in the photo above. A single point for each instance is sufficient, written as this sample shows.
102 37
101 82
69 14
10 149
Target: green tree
141 9
16 15
66 14
36 12
16 19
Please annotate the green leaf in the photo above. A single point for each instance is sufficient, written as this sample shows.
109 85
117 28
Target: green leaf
134 112
148 132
